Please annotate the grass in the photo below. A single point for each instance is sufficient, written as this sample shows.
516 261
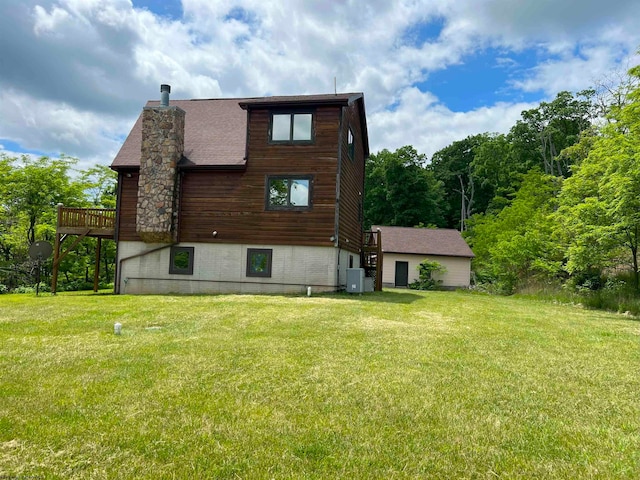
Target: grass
396 384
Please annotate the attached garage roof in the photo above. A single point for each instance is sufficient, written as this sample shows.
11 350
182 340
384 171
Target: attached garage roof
423 241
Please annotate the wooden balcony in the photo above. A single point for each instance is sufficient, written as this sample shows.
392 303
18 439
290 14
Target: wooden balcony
91 222
82 222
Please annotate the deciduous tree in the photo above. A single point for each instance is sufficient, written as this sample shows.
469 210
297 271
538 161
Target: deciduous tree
600 204
400 191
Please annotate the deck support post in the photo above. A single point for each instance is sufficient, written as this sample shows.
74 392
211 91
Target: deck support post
96 270
56 264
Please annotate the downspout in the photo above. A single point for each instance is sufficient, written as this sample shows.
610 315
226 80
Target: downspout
141 254
116 232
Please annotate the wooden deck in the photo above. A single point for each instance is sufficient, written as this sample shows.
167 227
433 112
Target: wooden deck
82 222
91 222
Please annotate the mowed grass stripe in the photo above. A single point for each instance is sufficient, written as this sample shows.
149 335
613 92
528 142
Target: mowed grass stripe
395 384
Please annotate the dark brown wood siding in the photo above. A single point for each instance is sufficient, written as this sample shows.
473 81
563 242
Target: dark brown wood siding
351 181
232 203
126 215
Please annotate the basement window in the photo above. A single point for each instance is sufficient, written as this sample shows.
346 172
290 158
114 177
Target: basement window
288 193
291 128
259 262
181 260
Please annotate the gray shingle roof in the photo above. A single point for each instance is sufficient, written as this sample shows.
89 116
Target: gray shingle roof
216 129
423 241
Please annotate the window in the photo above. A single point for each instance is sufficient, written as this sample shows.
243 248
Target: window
259 262
351 144
288 193
291 127
181 260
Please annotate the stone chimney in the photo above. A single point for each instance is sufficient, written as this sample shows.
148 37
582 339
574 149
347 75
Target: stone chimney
162 148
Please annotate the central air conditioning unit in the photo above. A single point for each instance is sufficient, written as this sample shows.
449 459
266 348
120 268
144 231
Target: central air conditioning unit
355 280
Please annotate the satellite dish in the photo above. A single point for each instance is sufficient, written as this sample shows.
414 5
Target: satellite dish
40 250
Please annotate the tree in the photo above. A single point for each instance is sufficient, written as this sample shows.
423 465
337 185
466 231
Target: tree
37 186
29 194
399 191
5 201
556 125
498 169
515 244
600 204
100 183
453 166
612 92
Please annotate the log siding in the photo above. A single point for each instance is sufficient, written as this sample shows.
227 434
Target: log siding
231 203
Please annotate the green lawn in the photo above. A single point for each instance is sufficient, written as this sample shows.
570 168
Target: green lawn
398 384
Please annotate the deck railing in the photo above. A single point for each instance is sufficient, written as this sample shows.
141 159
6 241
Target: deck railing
91 218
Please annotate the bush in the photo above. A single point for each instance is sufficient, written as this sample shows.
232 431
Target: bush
591 280
3 289
80 285
24 289
44 287
426 270
613 302
616 293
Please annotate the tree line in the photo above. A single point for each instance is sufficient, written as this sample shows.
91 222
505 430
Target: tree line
555 201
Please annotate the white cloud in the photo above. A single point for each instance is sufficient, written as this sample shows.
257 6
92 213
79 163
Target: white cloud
48 22
90 136
82 69
421 121
574 72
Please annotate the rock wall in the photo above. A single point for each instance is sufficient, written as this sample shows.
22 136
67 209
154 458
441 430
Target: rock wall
162 148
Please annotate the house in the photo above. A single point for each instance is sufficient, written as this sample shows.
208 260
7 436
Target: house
404 248
257 195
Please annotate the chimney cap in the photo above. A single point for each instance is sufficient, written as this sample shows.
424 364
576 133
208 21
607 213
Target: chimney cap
165 88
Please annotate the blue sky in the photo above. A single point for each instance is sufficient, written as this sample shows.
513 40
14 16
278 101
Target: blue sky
168 8
74 74
483 78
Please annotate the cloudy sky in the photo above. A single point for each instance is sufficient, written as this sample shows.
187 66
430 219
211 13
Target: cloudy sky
74 74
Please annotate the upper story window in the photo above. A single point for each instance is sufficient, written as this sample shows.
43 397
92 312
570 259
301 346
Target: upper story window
288 193
351 144
291 128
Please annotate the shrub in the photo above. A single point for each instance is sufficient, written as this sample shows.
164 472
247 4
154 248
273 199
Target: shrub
24 289
426 281
586 281
3 289
44 287
81 285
